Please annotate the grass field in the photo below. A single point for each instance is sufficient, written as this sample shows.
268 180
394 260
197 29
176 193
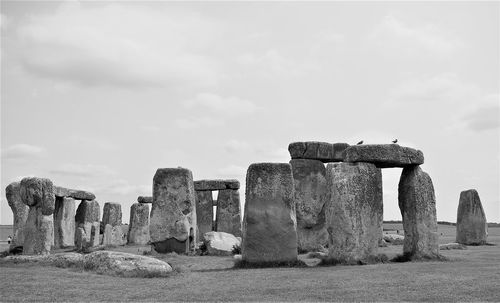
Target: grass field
470 275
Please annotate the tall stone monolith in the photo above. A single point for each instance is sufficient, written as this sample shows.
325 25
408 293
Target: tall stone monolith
228 217
269 224
417 203
138 232
38 194
19 211
112 214
310 196
173 214
204 212
87 217
64 222
472 228
353 210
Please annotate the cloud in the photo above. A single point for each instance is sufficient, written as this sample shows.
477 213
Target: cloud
93 142
228 106
119 44
272 63
484 118
197 122
22 151
232 171
233 146
392 34
123 187
150 128
83 170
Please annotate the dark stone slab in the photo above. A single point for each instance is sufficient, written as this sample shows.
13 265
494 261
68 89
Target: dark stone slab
216 184
322 151
145 199
384 155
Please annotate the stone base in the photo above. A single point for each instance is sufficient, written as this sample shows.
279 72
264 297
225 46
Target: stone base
171 245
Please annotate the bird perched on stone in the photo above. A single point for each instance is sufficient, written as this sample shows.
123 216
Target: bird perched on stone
360 142
395 141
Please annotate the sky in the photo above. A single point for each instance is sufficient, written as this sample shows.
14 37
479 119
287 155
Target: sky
98 95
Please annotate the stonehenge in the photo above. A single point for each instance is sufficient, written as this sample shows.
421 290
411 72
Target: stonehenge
138 232
87 217
204 211
472 228
64 222
112 222
173 214
19 211
269 223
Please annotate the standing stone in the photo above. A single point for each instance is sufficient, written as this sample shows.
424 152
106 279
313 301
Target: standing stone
228 217
269 224
82 239
112 214
173 214
354 210
64 222
310 196
139 224
472 228
20 212
204 211
87 217
418 209
38 194
113 236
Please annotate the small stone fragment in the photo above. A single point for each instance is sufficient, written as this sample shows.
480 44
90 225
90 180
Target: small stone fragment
220 243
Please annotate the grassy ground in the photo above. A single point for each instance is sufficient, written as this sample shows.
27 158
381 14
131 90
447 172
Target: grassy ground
471 275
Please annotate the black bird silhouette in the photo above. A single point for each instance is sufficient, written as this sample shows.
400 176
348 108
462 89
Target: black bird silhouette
360 142
395 141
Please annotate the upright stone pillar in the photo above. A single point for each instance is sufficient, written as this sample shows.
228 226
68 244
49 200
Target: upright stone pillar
418 209
38 194
19 211
112 214
472 228
204 212
87 217
354 210
310 196
138 232
269 224
228 218
173 214
64 222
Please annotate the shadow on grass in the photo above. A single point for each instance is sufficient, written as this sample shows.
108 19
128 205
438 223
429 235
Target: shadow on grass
241 264
328 261
406 257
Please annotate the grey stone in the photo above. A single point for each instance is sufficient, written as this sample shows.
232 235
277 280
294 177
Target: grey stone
384 155
64 222
73 193
139 224
310 196
228 217
19 211
39 232
173 214
449 246
472 228
88 211
112 214
354 210
216 184
204 211
322 151
394 239
269 224
220 243
38 192
113 236
417 203
145 199
82 239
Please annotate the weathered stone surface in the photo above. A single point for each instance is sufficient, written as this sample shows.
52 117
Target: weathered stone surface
394 239
216 184
82 239
354 210
220 243
269 224
88 211
228 217
310 196
64 222
38 192
173 215
39 232
113 235
125 265
138 232
384 155
472 228
417 203
73 193
449 246
19 211
145 199
112 214
322 151
204 211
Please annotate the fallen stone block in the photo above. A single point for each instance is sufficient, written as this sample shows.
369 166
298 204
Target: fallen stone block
394 239
220 243
384 155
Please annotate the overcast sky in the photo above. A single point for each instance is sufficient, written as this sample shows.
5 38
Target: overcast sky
99 95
